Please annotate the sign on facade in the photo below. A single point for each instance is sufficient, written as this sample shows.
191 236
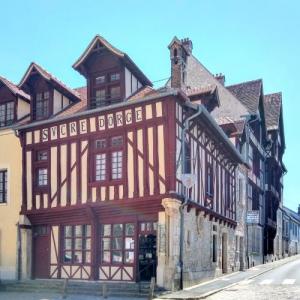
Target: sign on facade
253 217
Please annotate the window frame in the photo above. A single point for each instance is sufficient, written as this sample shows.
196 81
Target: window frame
8 122
83 237
39 164
4 186
108 150
107 85
111 236
45 102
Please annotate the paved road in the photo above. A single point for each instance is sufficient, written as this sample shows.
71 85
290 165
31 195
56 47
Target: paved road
281 283
276 280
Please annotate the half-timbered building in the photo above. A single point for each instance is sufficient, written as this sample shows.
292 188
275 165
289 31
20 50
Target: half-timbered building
275 170
122 181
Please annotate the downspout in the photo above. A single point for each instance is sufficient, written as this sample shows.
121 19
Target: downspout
183 132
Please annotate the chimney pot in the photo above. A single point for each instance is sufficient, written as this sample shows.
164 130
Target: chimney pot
188 44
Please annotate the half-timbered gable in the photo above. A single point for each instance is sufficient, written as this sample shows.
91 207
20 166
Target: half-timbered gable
111 75
49 95
212 164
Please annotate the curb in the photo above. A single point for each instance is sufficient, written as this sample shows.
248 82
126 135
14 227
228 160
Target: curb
204 296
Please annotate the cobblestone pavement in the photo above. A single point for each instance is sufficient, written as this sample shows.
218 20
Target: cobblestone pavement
276 280
256 292
280 283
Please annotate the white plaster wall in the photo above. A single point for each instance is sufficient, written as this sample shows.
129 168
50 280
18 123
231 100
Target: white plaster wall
23 108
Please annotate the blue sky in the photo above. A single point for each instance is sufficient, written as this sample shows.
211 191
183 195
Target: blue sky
245 40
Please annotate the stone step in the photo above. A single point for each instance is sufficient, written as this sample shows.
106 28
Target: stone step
79 287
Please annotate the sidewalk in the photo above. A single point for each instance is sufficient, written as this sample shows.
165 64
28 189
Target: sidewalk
205 289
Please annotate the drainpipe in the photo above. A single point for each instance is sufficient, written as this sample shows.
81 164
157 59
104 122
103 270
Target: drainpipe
183 132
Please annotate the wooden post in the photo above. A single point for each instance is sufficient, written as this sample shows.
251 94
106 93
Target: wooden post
104 290
64 296
152 287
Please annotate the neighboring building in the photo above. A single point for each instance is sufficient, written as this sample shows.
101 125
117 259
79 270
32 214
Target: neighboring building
291 231
275 170
103 183
252 142
14 108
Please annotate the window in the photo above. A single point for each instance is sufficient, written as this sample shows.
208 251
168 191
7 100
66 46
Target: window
77 244
114 76
117 141
3 186
209 181
227 190
6 114
214 248
117 243
42 105
42 155
250 157
42 177
100 79
108 159
115 92
116 165
100 167
100 144
100 97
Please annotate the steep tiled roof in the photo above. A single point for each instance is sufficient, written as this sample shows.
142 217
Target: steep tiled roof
74 108
272 104
141 93
248 93
14 88
197 76
48 76
122 55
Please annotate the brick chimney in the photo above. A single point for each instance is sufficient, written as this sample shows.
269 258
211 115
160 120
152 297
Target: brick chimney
221 78
187 44
178 56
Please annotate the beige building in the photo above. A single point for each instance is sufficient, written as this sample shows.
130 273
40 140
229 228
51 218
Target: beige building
14 105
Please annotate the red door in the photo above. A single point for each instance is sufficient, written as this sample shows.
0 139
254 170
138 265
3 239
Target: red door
41 252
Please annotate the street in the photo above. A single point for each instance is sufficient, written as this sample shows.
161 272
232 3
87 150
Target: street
276 280
282 282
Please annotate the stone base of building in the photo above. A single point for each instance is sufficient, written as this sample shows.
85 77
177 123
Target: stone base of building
8 273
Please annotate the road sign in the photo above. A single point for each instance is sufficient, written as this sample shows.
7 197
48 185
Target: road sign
253 217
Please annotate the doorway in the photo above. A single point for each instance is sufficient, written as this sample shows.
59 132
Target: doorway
41 252
224 253
147 259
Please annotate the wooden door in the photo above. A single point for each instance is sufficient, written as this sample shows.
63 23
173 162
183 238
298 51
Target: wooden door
41 252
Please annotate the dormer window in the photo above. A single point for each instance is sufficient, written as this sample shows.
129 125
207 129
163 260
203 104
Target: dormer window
6 114
114 76
100 79
42 105
115 92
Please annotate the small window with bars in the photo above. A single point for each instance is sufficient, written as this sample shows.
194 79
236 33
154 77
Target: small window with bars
3 186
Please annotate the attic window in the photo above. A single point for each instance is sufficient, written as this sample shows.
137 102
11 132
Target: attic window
42 105
115 77
6 114
100 79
